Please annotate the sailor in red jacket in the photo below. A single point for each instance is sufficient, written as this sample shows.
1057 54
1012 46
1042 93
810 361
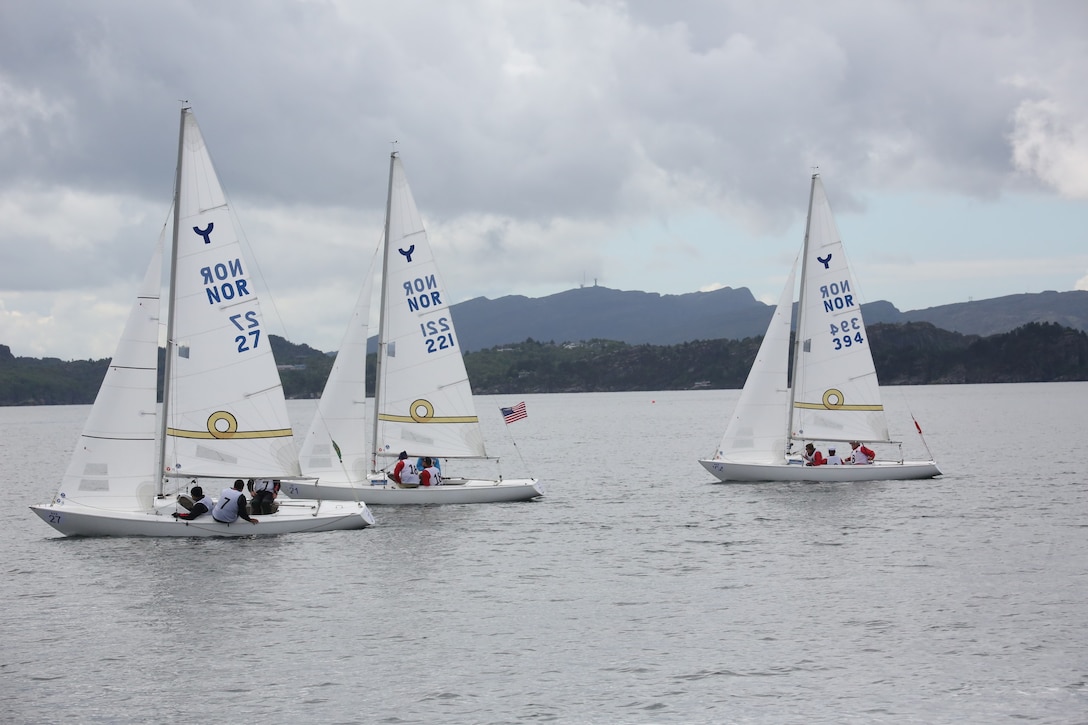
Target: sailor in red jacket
430 475
812 456
861 453
404 472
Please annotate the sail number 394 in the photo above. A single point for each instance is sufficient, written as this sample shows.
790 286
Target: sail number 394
846 333
437 334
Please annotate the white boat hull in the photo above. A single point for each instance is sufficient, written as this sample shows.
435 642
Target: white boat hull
291 518
378 492
747 472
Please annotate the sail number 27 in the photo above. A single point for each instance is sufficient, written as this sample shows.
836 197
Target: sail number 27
251 329
846 333
437 334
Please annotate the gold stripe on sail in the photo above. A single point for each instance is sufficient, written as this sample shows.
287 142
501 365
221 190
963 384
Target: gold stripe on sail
224 426
834 400
421 411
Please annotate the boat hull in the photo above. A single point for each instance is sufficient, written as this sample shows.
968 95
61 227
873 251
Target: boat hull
378 492
747 472
292 517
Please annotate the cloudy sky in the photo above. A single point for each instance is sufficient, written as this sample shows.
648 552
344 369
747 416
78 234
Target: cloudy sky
649 145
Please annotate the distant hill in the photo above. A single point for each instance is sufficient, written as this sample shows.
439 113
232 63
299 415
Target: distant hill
50 381
600 313
913 353
1002 314
924 343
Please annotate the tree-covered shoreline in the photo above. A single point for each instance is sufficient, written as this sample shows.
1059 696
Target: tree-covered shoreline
905 354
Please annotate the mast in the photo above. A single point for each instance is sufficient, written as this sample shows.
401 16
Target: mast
797 341
381 317
167 367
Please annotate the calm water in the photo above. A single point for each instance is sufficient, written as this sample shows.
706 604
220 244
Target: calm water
638 591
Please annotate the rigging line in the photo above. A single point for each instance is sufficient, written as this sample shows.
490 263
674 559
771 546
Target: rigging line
347 475
922 436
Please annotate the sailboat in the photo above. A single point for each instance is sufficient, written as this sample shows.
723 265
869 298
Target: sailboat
834 397
423 402
223 415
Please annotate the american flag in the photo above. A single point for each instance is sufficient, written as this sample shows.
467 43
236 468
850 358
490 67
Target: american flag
513 414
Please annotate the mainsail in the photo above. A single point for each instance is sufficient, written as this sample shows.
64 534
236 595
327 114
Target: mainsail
836 395
424 401
226 414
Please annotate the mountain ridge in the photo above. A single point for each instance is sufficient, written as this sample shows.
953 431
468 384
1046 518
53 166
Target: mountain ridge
636 317
911 353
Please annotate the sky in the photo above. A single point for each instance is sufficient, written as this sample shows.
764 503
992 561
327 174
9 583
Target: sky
640 145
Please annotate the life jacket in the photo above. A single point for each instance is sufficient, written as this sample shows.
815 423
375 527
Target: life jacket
863 455
404 472
430 477
226 511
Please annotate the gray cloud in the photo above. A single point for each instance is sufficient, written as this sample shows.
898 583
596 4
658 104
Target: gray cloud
538 126
527 109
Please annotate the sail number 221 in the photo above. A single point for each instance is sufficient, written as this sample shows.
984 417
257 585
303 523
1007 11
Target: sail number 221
846 333
437 334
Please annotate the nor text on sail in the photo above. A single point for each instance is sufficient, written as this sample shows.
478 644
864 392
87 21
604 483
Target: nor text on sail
837 296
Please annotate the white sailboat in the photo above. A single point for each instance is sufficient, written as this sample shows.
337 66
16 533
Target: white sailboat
834 397
423 400
223 415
